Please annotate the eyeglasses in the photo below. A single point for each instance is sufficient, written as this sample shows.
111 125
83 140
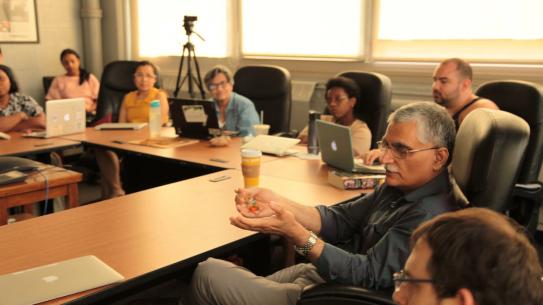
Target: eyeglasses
401 277
398 151
337 99
218 85
143 75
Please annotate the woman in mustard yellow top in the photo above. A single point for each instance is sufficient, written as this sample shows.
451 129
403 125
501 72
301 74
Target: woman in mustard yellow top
134 109
135 106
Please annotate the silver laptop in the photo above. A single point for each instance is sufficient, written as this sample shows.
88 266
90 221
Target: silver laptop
62 117
120 126
337 150
56 280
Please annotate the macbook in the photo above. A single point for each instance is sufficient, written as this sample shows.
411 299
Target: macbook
272 145
337 150
55 280
62 117
194 118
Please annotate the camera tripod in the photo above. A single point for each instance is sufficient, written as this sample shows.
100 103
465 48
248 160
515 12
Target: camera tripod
188 49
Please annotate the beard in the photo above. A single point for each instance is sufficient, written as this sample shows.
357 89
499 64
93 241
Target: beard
440 100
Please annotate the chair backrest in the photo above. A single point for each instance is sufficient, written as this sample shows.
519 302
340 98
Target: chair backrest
375 97
47 81
490 146
117 80
525 100
269 87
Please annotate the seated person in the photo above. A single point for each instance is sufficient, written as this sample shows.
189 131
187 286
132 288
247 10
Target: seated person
17 111
342 95
77 82
235 112
416 150
451 88
473 257
134 109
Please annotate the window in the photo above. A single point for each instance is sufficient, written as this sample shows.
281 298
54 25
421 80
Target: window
308 28
483 30
161 31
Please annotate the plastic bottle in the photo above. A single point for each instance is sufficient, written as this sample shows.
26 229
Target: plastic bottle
312 142
155 119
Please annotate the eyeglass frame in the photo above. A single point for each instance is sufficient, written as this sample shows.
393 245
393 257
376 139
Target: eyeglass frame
405 153
402 277
212 86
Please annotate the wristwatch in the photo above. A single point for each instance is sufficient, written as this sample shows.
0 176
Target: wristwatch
309 244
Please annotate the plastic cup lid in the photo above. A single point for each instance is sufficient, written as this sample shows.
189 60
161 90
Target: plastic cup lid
248 152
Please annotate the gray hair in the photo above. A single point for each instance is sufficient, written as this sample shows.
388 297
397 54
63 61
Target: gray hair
216 71
434 124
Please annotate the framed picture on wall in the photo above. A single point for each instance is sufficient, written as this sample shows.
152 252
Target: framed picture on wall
18 21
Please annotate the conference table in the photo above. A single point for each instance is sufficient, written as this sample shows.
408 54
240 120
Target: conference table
157 232
19 145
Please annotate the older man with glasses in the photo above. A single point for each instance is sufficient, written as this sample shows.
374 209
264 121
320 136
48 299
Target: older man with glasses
470 257
235 112
376 227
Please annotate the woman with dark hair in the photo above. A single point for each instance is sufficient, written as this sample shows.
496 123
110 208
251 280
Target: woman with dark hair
77 82
17 111
342 94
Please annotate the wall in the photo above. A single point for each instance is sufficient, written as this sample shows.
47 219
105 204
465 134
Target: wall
59 27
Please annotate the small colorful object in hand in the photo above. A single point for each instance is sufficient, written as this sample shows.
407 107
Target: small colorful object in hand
252 206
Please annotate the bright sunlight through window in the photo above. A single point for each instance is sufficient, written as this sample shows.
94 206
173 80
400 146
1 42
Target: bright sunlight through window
161 32
312 28
482 29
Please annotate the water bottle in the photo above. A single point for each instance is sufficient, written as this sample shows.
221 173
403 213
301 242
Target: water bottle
312 143
155 119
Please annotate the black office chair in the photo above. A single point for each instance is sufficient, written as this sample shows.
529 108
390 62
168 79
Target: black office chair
489 150
489 147
269 87
117 80
47 81
375 97
525 100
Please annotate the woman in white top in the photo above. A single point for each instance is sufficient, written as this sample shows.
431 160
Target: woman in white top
342 94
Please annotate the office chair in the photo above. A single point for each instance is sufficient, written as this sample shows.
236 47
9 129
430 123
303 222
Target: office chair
490 145
47 81
269 87
117 80
375 98
525 100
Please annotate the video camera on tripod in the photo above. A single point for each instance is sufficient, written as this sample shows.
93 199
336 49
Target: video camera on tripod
188 25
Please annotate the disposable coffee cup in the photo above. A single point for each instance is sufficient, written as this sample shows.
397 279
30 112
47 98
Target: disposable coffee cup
250 166
261 129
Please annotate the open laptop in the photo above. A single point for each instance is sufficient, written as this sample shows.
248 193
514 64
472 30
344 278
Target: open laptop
55 280
273 145
62 117
194 118
337 150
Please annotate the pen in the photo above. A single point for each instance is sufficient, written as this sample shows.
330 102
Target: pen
218 160
118 142
43 144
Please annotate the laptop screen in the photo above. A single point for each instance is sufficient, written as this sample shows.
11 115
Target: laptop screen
335 144
193 118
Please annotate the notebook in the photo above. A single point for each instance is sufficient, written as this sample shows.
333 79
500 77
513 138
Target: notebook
194 118
62 117
337 150
272 145
55 280
120 126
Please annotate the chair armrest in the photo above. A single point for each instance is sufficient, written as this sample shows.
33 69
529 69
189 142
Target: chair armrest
532 193
331 293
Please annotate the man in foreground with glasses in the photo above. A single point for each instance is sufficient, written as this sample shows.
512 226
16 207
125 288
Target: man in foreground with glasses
235 112
376 227
472 257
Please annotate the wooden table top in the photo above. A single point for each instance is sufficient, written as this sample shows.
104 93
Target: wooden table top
142 232
200 153
19 145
